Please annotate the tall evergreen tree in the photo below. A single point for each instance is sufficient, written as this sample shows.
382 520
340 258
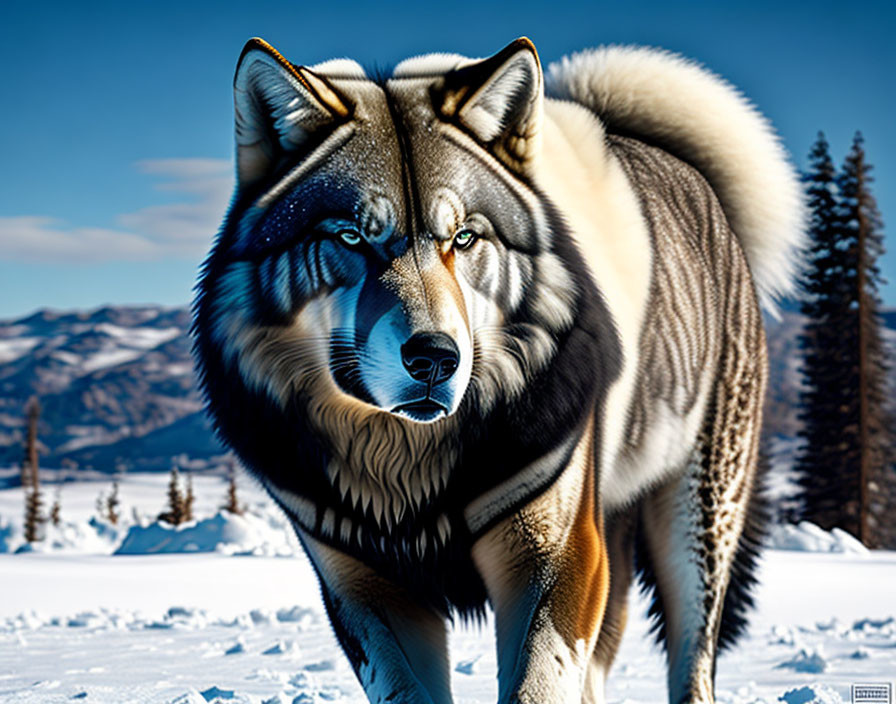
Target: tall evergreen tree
870 431
825 305
31 475
846 466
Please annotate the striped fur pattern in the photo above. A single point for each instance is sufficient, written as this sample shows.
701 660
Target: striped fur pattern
481 343
702 357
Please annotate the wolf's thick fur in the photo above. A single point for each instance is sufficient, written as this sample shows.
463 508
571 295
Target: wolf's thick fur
488 344
676 104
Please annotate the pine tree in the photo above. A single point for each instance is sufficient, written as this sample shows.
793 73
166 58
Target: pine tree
188 499
846 466
55 509
112 503
825 304
233 504
870 430
175 513
31 475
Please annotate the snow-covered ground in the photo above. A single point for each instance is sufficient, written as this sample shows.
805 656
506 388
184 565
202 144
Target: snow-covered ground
240 619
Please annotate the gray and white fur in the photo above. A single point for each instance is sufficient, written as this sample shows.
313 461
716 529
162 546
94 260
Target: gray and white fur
491 339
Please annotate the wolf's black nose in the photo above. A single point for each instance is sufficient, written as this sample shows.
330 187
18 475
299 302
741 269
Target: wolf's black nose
430 357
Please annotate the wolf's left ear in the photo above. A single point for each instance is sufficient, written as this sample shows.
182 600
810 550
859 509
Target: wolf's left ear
499 100
278 109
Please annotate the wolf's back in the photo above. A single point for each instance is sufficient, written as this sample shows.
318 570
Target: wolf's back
678 105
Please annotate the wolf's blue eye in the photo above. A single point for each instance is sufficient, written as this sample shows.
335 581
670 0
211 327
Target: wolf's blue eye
350 238
342 229
464 238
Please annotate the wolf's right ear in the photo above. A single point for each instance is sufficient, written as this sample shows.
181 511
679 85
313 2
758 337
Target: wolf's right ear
277 107
499 101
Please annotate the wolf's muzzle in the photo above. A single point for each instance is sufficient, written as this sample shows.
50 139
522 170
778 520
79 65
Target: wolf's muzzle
430 357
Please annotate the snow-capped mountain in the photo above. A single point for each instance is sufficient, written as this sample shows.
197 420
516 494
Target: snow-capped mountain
117 388
115 384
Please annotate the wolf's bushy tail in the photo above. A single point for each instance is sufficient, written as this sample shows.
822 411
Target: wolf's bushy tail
680 106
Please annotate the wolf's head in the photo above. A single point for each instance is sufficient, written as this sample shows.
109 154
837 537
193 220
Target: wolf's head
386 250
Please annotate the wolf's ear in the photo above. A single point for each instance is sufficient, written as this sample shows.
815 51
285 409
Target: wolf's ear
278 107
499 100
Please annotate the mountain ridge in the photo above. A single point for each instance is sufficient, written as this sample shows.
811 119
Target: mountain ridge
118 391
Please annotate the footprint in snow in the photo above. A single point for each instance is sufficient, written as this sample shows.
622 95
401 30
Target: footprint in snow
468 667
214 693
190 697
235 649
282 648
805 661
811 694
277 699
320 666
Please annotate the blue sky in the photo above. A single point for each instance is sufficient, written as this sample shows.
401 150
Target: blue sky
116 123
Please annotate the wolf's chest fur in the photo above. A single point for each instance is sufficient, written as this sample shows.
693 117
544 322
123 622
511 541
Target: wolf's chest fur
410 501
392 499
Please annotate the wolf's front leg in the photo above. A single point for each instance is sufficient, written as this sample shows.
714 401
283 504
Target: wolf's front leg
547 576
397 648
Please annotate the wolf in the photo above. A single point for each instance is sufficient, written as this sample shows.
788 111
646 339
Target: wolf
490 335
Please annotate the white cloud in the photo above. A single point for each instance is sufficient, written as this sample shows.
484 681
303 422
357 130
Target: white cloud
182 229
37 238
